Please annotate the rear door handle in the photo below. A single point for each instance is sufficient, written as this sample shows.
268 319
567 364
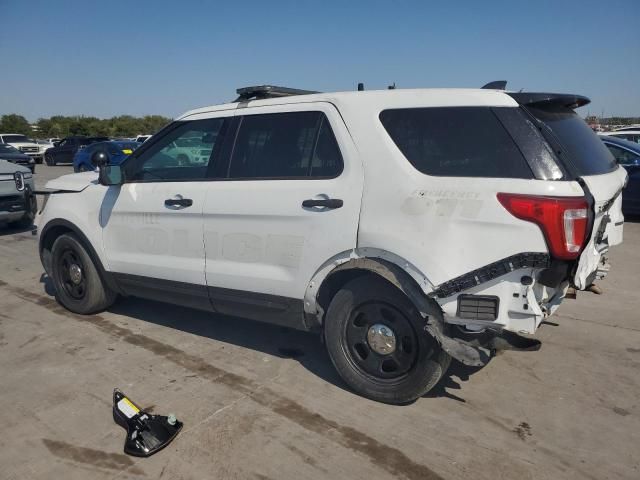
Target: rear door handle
178 202
327 203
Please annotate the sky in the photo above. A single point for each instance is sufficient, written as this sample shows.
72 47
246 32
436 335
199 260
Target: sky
107 58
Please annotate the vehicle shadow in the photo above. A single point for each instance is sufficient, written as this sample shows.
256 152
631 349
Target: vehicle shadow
306 348
7 229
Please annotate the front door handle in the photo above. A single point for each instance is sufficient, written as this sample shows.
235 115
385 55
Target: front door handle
178 202
326 203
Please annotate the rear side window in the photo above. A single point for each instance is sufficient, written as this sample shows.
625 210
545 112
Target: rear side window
622 156
582 148
455 142
285 145
632 137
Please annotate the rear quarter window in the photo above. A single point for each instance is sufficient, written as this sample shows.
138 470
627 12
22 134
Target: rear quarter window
456 142
579 147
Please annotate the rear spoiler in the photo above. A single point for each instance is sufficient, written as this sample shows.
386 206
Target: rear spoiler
546 99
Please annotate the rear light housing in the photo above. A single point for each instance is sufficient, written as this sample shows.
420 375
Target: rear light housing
563 220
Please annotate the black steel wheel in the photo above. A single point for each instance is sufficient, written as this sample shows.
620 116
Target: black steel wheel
71 272
78 284
380 340
375 338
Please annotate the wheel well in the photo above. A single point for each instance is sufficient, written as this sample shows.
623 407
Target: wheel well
46 243
335 281
60 227
332 284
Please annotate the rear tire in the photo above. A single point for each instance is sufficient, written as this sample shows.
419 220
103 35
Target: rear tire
79 287
394 368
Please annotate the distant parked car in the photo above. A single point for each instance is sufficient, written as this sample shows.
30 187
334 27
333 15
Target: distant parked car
116 152
24 144
633 135
143 138
627 128
18 204
13 155
627 154
65 150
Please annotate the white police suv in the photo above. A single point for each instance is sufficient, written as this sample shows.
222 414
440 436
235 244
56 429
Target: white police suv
406 226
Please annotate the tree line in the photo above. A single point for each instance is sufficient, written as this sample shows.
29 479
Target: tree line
63 126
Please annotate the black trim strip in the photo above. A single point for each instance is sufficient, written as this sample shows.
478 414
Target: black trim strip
274 309
169 291
491 271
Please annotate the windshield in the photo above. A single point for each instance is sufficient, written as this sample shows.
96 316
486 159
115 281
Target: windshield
16 139
579 145
8 149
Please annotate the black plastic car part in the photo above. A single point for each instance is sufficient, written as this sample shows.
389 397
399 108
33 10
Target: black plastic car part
146 433
491 271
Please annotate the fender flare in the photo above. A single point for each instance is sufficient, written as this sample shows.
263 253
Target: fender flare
401 278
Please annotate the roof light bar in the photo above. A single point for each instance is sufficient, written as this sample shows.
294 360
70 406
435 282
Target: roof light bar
260 92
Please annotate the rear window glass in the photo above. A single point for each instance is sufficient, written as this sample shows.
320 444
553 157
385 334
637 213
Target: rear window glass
456 142
584 151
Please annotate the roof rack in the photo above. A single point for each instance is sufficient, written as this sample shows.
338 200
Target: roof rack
260 92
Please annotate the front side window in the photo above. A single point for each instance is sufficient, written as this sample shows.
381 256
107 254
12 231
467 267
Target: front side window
455 141
184 153
285 145
93 148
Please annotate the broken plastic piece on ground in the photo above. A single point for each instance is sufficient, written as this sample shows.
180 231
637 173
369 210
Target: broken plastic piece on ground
146 433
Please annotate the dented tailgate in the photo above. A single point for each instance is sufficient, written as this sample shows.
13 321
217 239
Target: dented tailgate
607 224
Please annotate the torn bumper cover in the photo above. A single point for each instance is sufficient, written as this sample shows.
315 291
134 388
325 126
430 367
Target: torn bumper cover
475 349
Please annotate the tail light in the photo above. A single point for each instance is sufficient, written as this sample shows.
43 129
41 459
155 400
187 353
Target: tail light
563 220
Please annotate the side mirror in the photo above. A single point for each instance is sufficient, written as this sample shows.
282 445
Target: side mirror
99 158
110 175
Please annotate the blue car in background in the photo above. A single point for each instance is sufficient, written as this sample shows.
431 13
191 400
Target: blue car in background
116 151
627 154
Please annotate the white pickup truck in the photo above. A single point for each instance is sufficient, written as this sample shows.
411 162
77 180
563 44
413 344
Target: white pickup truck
25 145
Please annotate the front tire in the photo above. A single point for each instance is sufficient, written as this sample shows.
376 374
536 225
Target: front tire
375 338
79 287
48 159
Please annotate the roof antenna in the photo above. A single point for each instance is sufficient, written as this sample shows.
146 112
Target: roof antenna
392 87
361 87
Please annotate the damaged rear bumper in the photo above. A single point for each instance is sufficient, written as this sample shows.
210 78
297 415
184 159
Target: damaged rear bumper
476 349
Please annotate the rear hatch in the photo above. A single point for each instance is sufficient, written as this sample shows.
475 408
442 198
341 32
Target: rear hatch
584 158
